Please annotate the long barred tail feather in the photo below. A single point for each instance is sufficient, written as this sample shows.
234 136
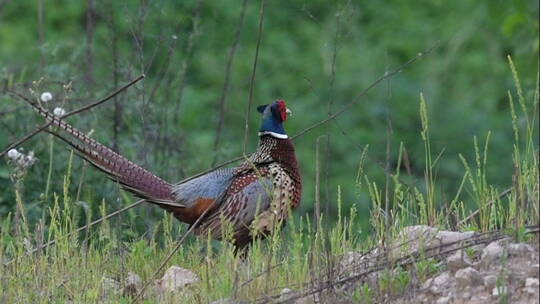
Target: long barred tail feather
131 176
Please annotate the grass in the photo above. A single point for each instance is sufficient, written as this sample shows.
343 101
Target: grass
302 256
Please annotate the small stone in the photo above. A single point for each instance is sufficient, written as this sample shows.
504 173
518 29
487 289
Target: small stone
498 291
519 249
286 294
438 284
492 253
175 278
490 281
443 300
532 282
133 283
109 287
531 286
534 270
477 249
458 260
479 299
468 277
447 237
413 239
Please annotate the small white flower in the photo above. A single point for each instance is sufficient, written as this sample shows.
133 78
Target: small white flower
46 96
13 154
30 157
59 111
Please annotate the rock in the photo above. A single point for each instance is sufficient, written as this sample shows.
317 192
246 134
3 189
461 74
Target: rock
490 281
519 249
286 294
458 260
109 287
480 299
438 284
477 249
531 282
422 237
413 238
443 300
498 291
175 278
531 286
447 237
534 270
492 253
468 277
132 284
354 261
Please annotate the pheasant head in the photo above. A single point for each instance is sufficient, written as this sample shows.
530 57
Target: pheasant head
274 115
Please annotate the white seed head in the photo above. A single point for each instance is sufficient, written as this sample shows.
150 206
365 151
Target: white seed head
13 154
46 96
59 111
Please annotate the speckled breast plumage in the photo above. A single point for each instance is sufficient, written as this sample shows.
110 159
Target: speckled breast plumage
262 192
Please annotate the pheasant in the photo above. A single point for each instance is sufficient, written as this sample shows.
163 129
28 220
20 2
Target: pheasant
242 203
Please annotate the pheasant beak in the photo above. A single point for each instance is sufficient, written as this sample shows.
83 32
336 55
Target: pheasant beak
288 111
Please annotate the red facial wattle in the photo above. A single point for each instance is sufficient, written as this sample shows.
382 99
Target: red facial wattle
282 109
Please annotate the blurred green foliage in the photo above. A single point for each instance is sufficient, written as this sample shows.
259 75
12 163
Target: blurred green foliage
317 55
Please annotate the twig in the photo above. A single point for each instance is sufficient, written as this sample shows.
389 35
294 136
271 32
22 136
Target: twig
77 111
386 75
225 89
188 56
90 28
108 216
252 81
41 33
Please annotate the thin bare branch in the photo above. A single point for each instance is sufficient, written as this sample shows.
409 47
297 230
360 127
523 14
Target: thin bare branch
90 26
225 89
387 74
74 112
253 71
188 56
